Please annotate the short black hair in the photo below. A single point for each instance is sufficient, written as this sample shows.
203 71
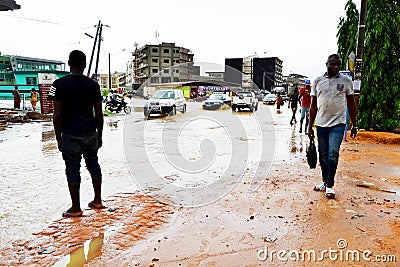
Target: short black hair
334 56
77 59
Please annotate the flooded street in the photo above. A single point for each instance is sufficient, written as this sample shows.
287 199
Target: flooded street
33 185
206 188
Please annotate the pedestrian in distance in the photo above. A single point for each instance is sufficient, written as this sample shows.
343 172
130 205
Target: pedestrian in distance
17 98
331 94
34 98
305 98
294 100
278 101
78 131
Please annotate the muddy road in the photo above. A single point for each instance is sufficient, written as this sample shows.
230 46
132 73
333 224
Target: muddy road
201 189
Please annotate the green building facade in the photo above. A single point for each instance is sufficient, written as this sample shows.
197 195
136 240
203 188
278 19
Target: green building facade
23 72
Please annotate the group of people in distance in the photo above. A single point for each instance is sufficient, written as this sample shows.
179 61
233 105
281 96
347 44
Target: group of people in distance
17 98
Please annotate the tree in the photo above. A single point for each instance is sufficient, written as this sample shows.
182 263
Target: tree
347 32
379 106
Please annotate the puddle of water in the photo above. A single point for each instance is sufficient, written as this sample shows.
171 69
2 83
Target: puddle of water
90 250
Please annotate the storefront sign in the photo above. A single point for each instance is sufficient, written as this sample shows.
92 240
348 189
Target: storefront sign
45 82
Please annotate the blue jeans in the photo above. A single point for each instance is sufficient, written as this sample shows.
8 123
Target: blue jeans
73 147
304 113
329 140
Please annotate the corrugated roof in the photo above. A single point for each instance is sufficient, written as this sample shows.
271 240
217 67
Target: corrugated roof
36 59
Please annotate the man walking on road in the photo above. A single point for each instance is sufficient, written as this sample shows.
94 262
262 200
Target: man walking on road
305 98
331 93
77 131
294 99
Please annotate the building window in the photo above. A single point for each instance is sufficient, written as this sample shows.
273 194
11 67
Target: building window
166 70
176 71
166 61
154 70
176 79
31 80
165 79
154 60
154 50
154 80
166 51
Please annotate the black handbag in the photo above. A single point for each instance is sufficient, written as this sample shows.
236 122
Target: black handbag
312 154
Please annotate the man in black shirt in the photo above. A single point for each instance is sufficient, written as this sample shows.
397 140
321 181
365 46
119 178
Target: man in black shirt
77 131
294 99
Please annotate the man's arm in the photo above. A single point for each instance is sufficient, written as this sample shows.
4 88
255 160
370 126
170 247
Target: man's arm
351 106
57 122
312 114
98 115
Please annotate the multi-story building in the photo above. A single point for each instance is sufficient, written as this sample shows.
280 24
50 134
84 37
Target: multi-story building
216 75
118 82
294 78
267 73
162 63
254 72
24 72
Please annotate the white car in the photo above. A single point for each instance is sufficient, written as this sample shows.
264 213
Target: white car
244 99
269 99
165 101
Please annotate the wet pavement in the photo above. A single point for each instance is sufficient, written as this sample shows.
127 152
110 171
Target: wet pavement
253 210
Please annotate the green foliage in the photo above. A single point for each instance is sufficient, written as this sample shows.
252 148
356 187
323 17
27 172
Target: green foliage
379 104
347 32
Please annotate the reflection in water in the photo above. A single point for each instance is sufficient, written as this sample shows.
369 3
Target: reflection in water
297 142
113 123
80 256
48 139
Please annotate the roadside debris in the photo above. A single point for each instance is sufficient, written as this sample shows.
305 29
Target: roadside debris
373 187
269 239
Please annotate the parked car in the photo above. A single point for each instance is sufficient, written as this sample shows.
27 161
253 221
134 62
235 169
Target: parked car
244 99
269 99
285 97
215 101
165 101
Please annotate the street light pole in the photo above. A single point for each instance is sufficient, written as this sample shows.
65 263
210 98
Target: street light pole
360 41
360 51
109 71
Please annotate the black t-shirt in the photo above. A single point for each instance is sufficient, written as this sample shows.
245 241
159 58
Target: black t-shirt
77 93
294 100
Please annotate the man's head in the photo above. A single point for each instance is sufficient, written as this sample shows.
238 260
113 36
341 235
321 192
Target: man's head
333 65
77 61
16 87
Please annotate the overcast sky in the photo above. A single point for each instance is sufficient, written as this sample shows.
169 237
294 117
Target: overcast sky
301 33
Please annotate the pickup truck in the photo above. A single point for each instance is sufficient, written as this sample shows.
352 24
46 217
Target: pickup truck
244 99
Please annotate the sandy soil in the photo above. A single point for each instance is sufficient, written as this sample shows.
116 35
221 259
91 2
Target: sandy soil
283 214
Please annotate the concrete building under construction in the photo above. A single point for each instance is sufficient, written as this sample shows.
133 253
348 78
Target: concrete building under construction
161 63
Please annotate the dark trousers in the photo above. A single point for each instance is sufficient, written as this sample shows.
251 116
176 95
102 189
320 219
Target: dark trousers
73 147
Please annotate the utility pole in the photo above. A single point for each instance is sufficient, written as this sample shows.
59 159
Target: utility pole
94 47
109 71
360 44
98 50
